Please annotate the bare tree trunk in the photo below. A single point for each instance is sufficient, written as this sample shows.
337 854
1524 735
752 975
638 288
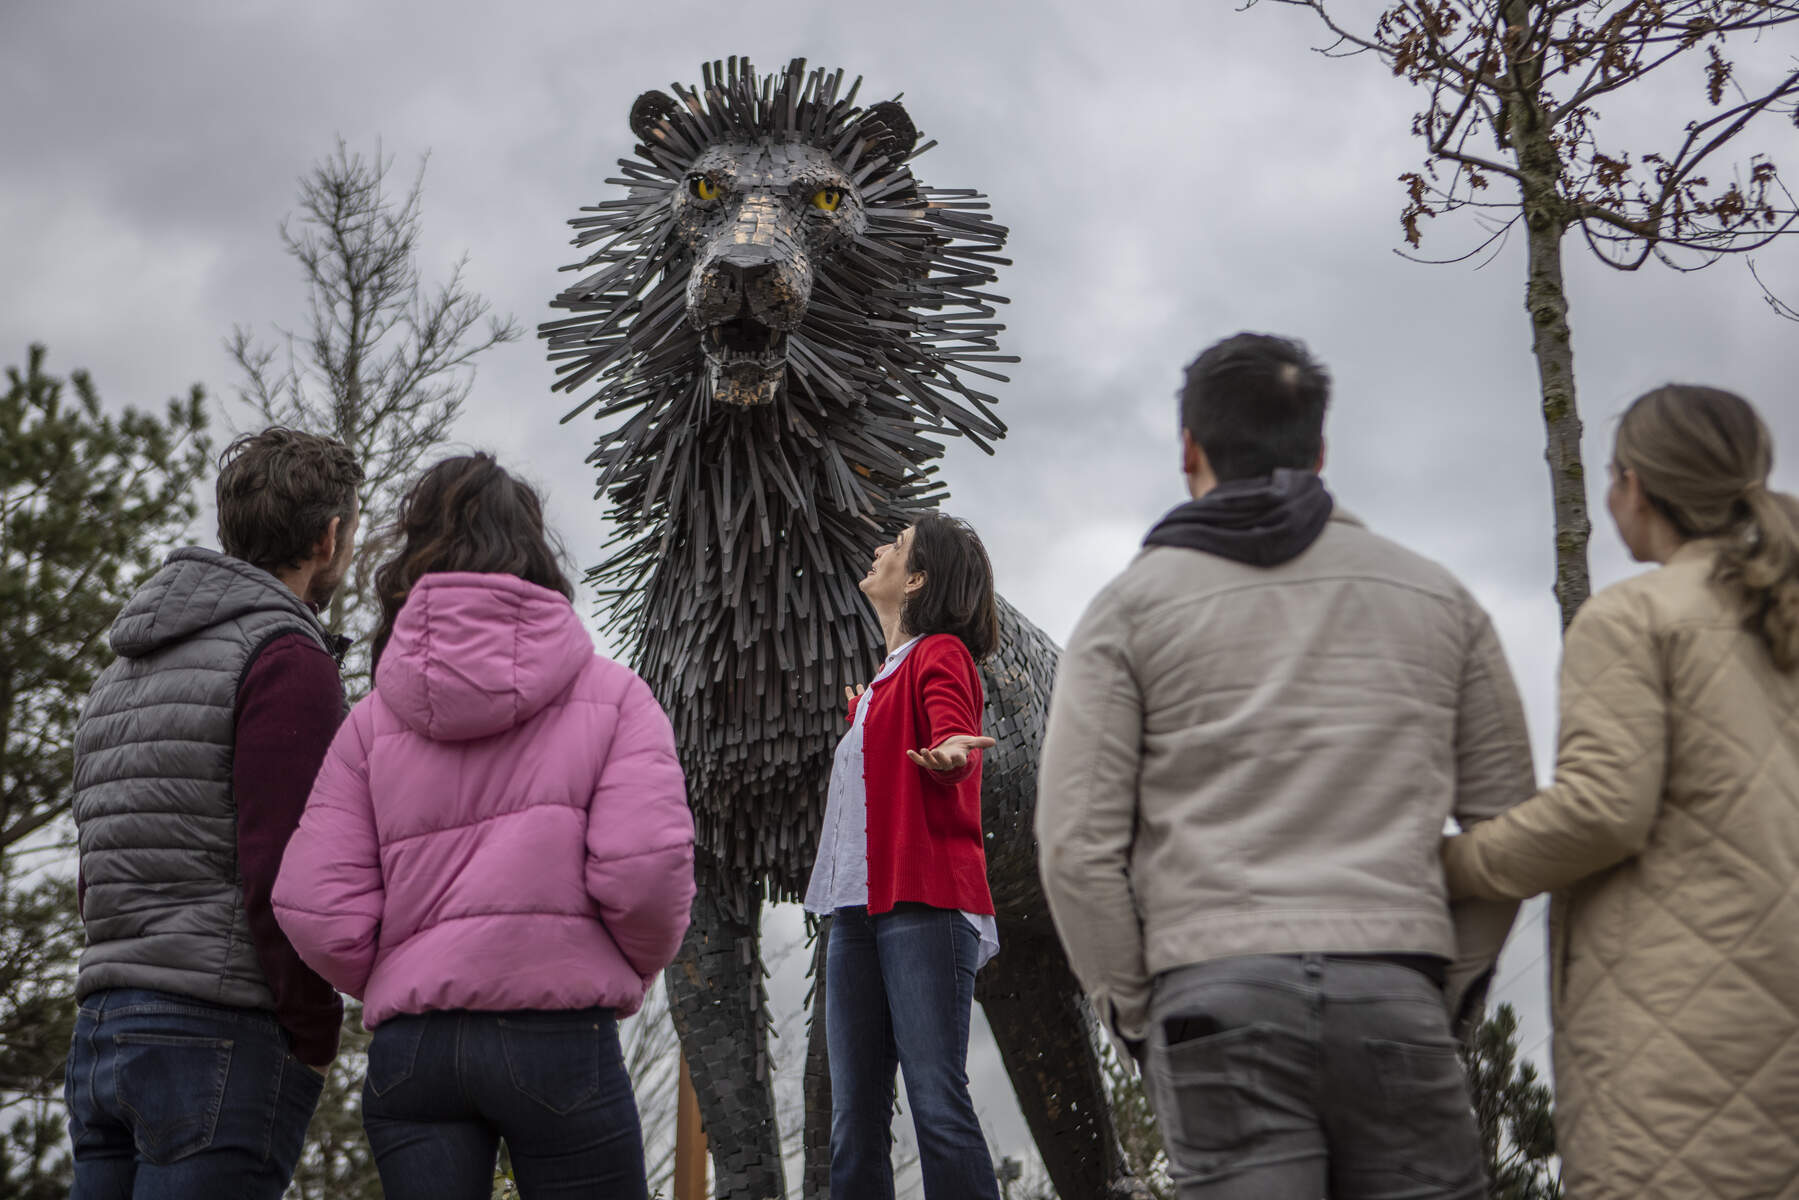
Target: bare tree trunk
1546 300
1553 346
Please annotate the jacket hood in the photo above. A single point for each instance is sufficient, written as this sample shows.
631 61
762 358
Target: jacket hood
197 589
473 655
1263 522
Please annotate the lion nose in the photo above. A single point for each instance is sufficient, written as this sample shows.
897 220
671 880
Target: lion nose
752 281
756 269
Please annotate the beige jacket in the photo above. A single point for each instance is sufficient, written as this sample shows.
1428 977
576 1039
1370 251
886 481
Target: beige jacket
1259 760
1670 839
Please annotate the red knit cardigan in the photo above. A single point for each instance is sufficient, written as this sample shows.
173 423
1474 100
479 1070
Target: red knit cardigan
924 827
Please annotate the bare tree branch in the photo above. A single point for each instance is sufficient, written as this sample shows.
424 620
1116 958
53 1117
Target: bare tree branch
1781 307
386 362
1528 74
1495 241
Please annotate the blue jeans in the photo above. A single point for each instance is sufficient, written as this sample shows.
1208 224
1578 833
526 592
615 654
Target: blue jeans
1290 1077
899 989
445 1087
171 1097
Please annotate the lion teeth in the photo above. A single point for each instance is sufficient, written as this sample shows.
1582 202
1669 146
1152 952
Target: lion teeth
745 343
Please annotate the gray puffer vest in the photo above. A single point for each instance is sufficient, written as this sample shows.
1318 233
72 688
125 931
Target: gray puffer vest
156 818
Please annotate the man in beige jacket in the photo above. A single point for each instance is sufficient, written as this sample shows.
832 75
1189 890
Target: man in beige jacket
1259 730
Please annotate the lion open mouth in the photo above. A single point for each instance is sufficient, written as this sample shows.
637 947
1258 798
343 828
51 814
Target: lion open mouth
745 342
747 360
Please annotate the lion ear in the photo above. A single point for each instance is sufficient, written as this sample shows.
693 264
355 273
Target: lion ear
650 110
889 130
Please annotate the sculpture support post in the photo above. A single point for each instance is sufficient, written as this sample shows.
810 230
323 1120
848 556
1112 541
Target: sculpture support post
690 1142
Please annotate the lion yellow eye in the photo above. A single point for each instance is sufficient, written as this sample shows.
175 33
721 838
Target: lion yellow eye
827 199
704 188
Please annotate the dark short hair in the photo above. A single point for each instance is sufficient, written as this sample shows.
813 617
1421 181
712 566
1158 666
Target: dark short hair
957 596
466 514
1255 403
278 491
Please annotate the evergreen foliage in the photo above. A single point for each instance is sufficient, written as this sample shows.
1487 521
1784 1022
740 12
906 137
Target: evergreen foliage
337 1163
1517 1130
40 943
1135 1121
89 503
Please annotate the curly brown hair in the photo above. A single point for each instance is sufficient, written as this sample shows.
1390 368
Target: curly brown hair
466 514
278 491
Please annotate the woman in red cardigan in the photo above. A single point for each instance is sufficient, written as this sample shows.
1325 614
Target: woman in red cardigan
902 872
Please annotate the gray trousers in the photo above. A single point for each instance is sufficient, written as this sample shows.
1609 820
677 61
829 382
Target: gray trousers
1297 1077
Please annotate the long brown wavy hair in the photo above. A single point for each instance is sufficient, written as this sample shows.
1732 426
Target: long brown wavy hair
466 514
1703 456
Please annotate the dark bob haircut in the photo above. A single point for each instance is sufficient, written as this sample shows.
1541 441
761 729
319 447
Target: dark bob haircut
466 514
957 596
1255 403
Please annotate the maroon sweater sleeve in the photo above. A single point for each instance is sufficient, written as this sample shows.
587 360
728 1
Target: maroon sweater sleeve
288 710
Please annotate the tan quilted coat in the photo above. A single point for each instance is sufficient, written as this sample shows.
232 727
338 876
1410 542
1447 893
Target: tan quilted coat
1670 839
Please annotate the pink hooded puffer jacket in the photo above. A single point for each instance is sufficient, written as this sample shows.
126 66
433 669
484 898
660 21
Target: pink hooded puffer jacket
502 824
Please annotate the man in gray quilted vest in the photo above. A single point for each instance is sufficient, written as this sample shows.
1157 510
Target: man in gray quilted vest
1258 732
202 1039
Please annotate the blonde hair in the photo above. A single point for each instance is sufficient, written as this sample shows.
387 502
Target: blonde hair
1702 456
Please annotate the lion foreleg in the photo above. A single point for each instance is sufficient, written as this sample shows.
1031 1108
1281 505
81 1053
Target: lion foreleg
720 1011
817 1180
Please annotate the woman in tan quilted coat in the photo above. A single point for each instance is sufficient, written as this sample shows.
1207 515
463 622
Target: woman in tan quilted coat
1670 837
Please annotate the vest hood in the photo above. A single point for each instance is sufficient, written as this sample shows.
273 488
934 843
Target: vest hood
198 589
473 655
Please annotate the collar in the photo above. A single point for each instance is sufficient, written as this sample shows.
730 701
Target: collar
895 659
1694 549
900 651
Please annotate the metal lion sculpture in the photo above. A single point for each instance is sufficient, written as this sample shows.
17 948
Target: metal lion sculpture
781 321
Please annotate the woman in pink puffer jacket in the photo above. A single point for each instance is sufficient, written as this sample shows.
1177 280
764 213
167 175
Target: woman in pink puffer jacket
497 858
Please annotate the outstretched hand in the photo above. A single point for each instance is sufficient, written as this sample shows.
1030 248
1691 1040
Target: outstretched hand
951 754
850 693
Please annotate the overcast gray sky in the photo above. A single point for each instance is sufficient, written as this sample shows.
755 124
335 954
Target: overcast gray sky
1171 172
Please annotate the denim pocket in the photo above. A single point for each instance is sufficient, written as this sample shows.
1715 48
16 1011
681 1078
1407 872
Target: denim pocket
554 1060
172 1087
78 1079
1210 1088
1423 1101
393 1050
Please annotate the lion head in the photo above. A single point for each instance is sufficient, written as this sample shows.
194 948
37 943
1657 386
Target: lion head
756 221
803 251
